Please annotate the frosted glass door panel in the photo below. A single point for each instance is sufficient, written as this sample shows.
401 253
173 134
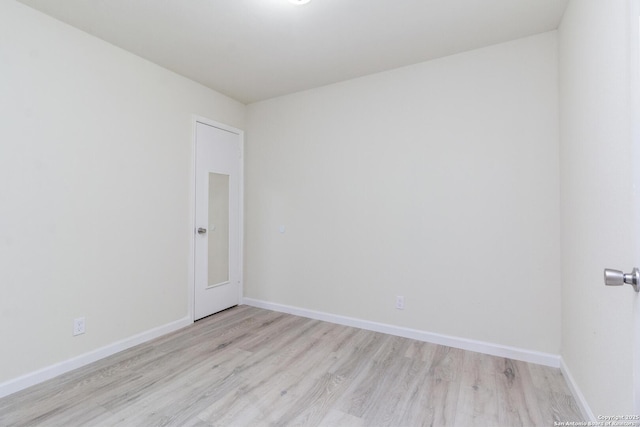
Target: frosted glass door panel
218 229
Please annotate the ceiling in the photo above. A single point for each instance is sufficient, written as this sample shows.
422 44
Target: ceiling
253 50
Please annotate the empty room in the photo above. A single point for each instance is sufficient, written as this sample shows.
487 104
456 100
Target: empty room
324 212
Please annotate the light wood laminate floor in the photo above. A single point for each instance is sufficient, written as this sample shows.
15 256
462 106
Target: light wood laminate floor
253 367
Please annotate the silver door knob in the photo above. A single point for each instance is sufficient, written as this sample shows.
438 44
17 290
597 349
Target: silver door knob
202 230
618 278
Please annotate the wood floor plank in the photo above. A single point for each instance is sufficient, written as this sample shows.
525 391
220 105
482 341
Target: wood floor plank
388 404
477 402
339 419
553 394
252 367
443 384
272 377
360 396
312 406
413 409
517 403
182 398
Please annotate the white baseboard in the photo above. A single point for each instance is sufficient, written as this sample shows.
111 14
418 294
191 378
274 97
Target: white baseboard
546 359
587 413
41 375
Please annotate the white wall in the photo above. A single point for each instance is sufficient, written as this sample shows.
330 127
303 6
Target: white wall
95 157
437 181
597 201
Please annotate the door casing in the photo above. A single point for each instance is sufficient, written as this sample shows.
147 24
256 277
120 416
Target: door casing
634 76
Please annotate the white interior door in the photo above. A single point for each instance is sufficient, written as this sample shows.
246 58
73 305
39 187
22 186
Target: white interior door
217 220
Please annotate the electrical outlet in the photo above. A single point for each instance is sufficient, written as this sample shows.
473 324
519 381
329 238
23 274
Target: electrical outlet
78 326
400 302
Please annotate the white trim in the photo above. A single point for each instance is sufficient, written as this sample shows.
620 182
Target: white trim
499 350
634 83
577 394
44 374
215 124
241 219
191 276
191 272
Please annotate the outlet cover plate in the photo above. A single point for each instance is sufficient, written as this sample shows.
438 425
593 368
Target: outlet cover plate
78 326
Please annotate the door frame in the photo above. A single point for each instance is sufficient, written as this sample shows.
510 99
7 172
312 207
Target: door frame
192 209
634 106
